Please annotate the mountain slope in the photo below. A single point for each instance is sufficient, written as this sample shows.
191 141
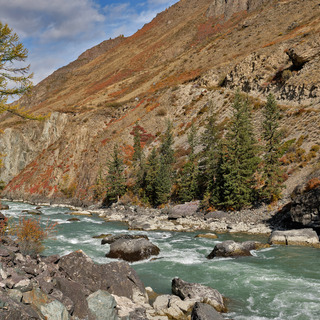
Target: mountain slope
190 54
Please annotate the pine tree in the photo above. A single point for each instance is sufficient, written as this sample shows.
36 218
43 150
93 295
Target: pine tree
188 184
238 159
150 178
115 178
165 172
272 172
211 142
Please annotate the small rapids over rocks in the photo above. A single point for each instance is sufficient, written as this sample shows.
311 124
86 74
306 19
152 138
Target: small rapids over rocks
280 282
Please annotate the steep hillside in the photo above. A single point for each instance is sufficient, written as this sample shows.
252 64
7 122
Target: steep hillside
192 53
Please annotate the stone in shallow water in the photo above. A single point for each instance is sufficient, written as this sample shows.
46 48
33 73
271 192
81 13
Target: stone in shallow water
132 249
302 237
231 248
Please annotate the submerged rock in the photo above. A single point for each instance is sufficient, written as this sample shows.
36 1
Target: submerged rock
34 212
207 236
198 292
132 249
231 248
300 237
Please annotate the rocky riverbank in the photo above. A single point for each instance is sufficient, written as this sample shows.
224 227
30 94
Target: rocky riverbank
186 218
73 287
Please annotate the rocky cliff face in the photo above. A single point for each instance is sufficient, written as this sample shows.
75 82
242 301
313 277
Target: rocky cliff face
229 7
194 54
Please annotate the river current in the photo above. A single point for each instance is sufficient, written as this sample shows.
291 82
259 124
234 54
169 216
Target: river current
280 283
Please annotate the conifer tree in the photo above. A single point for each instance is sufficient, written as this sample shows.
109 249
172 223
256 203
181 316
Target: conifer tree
188 184
211 142
165 172
238 159
272 172
115 178
150 179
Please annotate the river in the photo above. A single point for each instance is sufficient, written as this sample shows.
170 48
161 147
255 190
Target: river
280 283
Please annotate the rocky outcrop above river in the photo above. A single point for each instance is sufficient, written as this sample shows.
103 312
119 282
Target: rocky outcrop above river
305 209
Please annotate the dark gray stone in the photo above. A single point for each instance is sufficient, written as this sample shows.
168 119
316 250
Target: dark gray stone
132 249
112 238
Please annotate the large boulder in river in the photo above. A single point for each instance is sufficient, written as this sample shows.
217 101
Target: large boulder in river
112 238
132 249
231 248
300 237
203 311
198 292
116 277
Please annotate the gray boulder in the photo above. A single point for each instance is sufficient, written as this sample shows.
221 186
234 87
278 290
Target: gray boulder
34 212
231 248
102 305
301 237
132 249
203 311
198 292
116 277
183 210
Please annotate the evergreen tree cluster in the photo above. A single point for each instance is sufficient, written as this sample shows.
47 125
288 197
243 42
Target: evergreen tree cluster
231 171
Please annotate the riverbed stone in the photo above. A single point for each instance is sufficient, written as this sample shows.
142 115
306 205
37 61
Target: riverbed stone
203 311
300 237
102 305
34 212
132 249
231 248
198 292
112 238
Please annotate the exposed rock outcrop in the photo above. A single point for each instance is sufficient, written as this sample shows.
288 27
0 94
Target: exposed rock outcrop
305 209
302 237
231 248
228 7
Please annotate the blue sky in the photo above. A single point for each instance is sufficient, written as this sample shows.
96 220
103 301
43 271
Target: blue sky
56 32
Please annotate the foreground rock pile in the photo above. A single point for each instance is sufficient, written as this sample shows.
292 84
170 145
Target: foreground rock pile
74 287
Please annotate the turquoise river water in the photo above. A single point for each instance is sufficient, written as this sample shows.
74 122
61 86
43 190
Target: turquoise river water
276 283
